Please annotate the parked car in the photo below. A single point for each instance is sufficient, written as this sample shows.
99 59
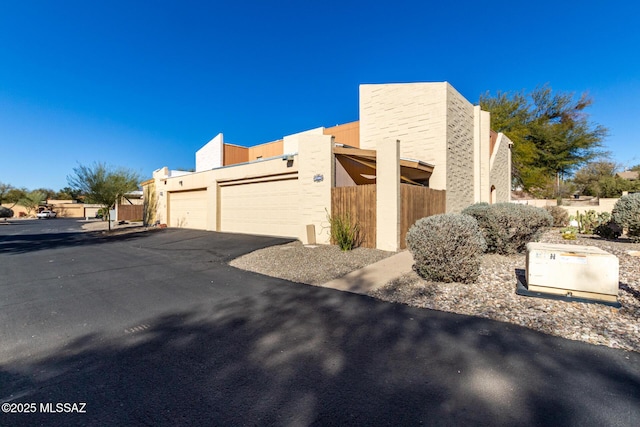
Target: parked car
46 214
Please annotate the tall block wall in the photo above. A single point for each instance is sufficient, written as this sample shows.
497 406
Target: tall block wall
460 159
414 113
484 156
501 169
211 155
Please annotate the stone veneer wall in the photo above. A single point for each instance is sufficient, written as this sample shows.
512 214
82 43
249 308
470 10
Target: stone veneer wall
460 152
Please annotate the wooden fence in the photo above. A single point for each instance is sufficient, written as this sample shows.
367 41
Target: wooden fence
130 212
417 202
359 202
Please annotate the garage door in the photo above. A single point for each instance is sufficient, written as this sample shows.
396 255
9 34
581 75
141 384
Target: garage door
268 208
188 209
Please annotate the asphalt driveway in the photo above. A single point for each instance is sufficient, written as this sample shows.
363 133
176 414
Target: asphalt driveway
156 329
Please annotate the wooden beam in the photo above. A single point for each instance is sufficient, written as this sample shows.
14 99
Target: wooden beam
355 152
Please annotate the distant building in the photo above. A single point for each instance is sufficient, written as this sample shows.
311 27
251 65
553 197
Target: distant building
629 175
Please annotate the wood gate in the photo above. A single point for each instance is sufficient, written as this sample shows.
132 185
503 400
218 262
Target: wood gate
359 202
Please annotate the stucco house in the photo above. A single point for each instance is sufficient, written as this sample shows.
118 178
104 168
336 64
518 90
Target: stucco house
629 175
423 135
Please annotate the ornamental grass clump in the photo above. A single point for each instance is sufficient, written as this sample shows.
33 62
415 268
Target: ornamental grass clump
345 232
447 248
626 213
508 227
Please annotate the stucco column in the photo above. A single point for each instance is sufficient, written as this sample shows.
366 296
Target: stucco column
315 178
388 195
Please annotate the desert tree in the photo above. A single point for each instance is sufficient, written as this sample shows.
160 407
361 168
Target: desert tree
4 189
32 200
102 184
552 133
15 195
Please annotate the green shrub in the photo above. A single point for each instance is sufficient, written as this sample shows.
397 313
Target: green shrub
604 217
344 231
569 233
447 248
5 212
560 215
608 230
626 213
508 227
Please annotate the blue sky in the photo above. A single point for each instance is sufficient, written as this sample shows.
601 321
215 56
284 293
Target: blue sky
144 84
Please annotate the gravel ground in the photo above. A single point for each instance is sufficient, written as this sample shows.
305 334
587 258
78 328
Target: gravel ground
312 264
493 296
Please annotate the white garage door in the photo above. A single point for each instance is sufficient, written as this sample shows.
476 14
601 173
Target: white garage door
188 209
268 208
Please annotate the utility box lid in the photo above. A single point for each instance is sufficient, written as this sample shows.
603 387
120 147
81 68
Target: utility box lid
572 270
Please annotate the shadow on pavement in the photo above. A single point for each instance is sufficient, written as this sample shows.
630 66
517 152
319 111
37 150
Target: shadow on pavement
184 241
25 243
302 355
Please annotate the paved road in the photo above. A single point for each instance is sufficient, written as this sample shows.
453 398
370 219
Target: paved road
156 329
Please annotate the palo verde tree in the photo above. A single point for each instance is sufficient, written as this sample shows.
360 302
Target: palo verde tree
32 200
551 132
103 185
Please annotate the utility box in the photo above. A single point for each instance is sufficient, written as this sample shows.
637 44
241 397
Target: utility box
573 271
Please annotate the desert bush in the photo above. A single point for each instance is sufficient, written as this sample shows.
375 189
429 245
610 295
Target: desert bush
608 230
344 231
560 216
508 227
447 248
5 212
626 213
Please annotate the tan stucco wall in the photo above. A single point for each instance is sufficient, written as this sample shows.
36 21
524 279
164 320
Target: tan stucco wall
483 156
315 156
69 210
290 142
310 198
388 195
16 209
501 168
63 209
604 205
